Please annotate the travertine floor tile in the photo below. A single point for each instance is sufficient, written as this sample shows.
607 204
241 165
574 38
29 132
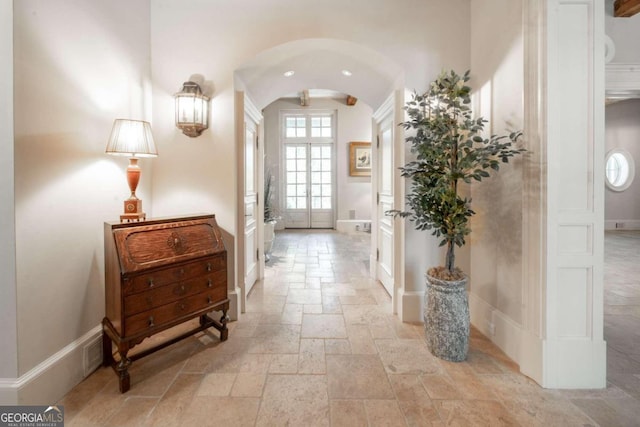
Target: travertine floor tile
348 413
216 385
310 413
420 413
169 412
133 412
248 385
407 357
357 377
323 326
475 413
296 387
408 387
384 413
221 411
318 345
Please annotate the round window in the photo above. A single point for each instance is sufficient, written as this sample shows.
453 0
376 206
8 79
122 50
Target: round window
619 169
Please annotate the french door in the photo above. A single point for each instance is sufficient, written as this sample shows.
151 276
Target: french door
309 173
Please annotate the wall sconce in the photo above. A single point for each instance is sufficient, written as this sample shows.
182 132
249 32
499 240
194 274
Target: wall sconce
192 110
132 138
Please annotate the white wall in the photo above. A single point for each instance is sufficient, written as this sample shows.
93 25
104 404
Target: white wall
624 32
497 78
353 123
215 38
8 333
78 66
622 130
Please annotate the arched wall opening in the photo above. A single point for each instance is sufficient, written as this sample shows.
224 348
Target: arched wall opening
287 70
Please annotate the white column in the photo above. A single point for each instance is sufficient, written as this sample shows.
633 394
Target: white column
562 340
8 315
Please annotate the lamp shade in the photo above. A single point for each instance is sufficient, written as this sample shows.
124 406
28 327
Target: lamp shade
192 109
131 138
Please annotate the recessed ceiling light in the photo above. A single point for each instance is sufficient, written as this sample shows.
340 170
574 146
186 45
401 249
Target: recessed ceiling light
289 73
346 73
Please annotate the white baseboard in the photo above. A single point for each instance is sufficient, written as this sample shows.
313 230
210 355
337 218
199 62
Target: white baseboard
49 381
622 224
531 360
351 226
410 306
234 303
497 326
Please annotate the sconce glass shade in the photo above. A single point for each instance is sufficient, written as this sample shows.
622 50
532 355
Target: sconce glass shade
192 110
131 138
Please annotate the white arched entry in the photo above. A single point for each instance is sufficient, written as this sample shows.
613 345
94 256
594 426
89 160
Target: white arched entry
318 64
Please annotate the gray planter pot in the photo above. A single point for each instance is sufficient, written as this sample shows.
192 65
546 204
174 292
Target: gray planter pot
446 318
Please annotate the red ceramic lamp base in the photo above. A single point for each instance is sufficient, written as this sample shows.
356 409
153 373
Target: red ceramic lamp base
133 205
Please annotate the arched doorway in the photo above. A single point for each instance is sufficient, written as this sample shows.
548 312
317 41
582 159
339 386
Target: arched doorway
293 67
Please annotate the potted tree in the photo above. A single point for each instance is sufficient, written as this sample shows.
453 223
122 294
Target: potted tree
449 149
270 214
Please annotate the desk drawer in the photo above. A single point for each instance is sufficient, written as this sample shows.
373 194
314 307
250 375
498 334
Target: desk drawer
159 278
152 298
156 318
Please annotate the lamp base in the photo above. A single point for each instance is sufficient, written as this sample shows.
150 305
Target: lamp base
133 217
133 211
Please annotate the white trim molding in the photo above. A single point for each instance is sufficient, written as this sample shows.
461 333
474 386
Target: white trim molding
622 224
574 351
499 327
561 342
622 80
50 380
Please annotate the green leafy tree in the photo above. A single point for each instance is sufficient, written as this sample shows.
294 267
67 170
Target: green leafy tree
449 148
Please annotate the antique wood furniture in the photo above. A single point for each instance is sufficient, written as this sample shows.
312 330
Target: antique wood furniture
158 274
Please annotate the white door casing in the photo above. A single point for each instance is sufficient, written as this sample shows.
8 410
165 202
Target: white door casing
385 256
249 226
384 203
251 247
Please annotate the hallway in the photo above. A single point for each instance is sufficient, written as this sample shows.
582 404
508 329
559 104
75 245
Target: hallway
318 346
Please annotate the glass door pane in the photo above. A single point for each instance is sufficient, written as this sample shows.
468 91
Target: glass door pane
321 177
296 185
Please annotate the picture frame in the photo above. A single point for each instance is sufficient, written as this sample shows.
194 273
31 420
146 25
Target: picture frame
359 159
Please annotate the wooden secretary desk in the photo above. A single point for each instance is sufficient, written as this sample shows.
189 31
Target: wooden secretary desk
158 274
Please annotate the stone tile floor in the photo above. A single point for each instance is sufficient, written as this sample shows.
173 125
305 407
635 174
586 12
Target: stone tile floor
317 346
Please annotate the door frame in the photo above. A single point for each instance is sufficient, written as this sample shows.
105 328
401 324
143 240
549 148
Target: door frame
245 108
308 142
392 109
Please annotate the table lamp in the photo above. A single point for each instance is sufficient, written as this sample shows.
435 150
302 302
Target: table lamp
132 138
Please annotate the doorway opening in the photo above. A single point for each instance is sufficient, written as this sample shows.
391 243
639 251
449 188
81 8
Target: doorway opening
310 165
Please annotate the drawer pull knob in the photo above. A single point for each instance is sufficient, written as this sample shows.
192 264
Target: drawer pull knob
209 283
208 266
182 288
182 271
209 300
151 324
182 307
150 281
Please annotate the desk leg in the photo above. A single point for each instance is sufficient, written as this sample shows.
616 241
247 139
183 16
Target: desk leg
224 332
122 369
107 349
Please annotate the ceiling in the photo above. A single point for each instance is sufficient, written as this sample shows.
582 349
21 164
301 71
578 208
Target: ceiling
319 64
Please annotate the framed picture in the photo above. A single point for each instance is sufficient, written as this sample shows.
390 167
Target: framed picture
359 159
